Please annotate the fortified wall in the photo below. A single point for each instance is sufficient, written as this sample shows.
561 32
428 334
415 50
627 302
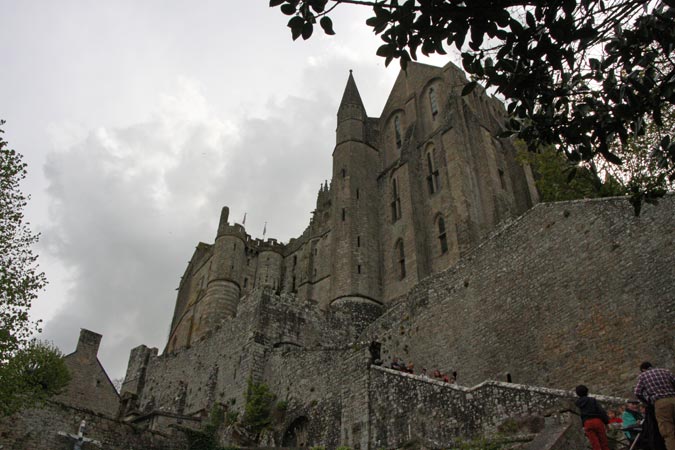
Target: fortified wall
550 299
568 293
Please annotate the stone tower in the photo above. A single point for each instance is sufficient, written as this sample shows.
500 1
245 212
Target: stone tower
223 289
354 244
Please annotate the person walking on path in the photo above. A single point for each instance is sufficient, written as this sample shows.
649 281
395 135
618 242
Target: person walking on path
593 419
657 387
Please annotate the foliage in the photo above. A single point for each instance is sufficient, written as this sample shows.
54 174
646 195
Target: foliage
35 372
343 448
19 277
257 412
207 437
282 405
578 75
318 447
557 179
231 417
641 176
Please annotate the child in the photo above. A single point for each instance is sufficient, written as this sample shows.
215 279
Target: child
593 419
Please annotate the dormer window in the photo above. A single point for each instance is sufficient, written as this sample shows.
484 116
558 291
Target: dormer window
397 131
433 102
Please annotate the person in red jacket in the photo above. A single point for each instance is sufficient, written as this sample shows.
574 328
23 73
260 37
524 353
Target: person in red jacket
593 419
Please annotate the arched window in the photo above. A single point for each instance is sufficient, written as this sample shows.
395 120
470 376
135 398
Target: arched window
442 235
432 172
397 131
433 102
400 257
395 201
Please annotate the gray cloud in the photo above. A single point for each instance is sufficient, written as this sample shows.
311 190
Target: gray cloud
129 204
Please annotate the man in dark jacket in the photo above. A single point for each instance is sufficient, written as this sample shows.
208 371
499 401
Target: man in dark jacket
593 419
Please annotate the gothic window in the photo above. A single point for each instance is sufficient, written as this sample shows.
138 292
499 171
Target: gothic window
358 241
295 260
344 214
442 235
357 193
395 201
344 173
433 102
400 257
397 131
432 172
358 268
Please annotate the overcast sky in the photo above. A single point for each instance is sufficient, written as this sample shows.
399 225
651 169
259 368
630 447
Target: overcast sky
140 119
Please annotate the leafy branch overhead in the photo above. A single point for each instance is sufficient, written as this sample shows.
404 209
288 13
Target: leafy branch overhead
582 76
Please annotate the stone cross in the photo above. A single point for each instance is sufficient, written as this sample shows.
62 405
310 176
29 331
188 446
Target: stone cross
79 437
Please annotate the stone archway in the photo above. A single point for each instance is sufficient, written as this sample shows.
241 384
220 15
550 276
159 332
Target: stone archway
296 433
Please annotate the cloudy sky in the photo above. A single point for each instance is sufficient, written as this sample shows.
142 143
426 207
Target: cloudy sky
140 119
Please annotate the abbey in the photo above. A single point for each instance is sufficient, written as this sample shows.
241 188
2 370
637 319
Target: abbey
428 245
411 192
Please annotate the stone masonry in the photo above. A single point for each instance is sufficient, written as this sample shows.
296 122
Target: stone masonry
425 245
428 244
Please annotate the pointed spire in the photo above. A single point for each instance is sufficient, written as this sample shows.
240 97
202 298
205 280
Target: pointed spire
351 95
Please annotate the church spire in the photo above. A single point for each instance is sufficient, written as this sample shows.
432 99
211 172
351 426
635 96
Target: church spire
351 96
351 116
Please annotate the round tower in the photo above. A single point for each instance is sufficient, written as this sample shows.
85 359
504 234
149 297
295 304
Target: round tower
355 265
270 261
223 288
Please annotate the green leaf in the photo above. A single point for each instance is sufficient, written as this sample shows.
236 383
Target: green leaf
274 3
468 88
295 24
307 30
288 9
327 25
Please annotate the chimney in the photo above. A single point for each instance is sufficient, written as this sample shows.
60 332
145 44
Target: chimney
88 343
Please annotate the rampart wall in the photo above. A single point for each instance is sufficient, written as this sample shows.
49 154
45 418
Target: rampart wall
572 292
407 408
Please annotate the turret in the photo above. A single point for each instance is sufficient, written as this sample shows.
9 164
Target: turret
270 261
223 289
351 115
355 275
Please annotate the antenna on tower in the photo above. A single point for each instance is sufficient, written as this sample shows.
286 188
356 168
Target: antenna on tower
265 229
243 221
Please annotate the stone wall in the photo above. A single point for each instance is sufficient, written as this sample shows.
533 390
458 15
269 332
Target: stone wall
216 368
320 387
406 408
37 429
569 293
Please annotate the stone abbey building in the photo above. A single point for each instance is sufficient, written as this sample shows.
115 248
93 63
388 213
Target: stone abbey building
411 192
429 245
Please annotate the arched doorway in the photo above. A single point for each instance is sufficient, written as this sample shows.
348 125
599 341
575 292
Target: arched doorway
296 433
